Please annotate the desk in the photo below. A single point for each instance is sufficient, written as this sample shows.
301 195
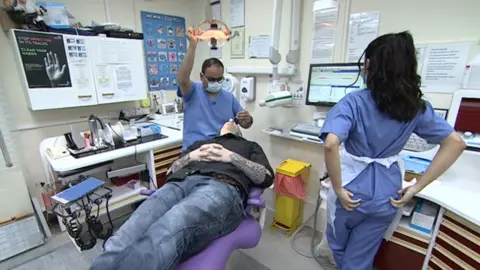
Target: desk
150 153
455 240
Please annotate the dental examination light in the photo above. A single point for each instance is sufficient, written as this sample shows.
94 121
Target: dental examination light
216 32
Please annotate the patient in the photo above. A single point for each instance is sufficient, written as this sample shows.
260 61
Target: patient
203 199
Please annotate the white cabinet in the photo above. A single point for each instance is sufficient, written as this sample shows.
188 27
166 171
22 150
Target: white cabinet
119 75
62 71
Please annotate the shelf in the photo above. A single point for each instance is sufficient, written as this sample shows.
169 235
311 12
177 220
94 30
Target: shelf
123 196
405 222
286 135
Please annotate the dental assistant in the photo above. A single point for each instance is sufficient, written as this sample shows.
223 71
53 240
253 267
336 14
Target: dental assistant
206 105
374 125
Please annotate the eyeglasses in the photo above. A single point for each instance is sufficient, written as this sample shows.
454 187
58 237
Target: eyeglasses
211 79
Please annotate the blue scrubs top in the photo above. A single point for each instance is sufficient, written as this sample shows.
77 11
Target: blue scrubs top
203 116
367 132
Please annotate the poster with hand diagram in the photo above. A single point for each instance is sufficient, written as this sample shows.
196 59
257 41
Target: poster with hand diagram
165 48
44 59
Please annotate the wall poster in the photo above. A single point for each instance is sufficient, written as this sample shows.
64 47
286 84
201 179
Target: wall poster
44 59
165 47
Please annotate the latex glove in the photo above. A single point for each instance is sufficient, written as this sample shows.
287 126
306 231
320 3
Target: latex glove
407 194
218 153
244 116
346 200
52 67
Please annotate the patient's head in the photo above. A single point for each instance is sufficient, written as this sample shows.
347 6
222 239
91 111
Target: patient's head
230 127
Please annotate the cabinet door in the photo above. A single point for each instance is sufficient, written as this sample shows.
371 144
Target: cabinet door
119 70
401 253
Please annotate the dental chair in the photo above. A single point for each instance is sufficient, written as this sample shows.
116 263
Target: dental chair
246 235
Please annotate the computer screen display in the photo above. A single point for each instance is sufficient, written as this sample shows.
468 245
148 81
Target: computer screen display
328 83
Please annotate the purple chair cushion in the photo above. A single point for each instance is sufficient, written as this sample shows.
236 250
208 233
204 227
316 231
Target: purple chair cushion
216 255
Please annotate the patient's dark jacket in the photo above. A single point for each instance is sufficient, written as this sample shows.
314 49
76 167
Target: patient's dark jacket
247 149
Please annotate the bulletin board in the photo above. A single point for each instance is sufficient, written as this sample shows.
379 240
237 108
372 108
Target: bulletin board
165 48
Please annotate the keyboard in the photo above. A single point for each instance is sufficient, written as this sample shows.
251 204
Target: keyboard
417 144
307 129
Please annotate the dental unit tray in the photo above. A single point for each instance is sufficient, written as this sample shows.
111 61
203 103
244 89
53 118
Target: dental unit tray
79 207
73 194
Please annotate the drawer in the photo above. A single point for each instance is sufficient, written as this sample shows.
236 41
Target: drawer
410 245
436 264
168 154
465 224
460 250
411 236
166 150
165 163
449 258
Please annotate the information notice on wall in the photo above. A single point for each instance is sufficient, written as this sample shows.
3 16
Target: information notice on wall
165 48
444 66
44 59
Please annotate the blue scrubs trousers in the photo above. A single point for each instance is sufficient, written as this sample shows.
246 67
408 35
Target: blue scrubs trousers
357 238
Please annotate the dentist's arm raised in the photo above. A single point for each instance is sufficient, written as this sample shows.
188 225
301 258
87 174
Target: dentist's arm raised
187 64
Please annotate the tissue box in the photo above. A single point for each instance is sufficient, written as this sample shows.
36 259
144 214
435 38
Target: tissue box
423 217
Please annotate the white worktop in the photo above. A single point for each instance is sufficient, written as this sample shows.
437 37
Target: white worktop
70 163
457 194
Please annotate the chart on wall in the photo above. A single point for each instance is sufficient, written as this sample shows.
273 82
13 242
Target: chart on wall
165 48
44 59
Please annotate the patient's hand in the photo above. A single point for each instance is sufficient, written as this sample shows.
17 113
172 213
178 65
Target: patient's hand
200 154
218 153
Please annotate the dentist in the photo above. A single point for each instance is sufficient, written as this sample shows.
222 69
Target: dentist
206 105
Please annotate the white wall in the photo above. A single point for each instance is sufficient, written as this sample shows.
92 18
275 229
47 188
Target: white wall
428 20
126 12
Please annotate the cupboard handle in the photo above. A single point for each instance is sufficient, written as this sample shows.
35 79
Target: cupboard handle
6 155
108 94
84 96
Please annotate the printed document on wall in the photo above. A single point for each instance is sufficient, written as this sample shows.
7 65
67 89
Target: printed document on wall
420 52
363 29
444 67
237 13
259 46
325 15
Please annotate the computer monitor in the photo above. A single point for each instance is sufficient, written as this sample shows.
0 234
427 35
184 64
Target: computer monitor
328 83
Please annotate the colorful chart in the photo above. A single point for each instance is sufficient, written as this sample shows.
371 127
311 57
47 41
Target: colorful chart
164 42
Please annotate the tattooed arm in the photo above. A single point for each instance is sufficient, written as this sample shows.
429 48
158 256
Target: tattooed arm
256 167
179 164
254 171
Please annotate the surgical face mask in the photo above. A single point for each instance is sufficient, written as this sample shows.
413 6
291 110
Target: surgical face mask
214 84
214 87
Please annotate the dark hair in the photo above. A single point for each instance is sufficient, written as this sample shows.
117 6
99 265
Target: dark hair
392 76
211 62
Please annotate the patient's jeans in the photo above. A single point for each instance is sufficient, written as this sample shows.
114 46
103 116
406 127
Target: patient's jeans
176 222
